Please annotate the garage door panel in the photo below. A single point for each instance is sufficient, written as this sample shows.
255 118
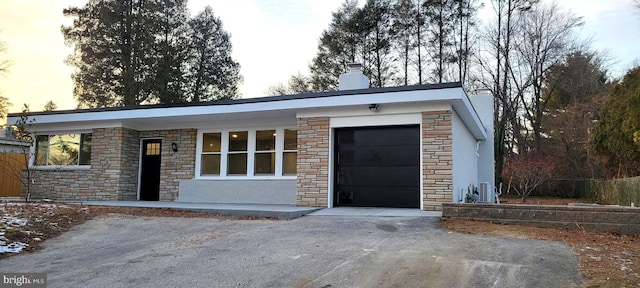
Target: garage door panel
386 137
378 167
379 176
378 197
379 156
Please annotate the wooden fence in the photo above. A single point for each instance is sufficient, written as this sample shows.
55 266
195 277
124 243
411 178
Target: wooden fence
11 166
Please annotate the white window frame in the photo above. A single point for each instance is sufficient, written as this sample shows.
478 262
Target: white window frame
251 151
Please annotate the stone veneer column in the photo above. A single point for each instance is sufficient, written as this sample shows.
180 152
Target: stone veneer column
437 166
313 162
114 164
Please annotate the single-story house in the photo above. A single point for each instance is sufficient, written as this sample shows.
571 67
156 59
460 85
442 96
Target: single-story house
414 147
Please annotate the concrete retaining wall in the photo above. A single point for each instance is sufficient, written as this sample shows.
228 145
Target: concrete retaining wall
614 219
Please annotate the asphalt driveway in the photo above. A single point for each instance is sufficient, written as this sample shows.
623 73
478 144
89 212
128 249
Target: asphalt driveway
312 251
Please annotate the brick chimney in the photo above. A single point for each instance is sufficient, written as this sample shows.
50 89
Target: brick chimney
354 79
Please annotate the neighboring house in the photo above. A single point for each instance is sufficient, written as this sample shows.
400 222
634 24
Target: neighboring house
415 146
12 162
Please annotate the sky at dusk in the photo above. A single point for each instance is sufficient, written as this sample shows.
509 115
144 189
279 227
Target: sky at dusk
272 40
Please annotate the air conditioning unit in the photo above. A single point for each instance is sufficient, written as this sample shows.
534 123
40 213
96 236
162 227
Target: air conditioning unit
485 193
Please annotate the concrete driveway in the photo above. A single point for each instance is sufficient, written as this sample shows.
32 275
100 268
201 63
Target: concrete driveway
312 251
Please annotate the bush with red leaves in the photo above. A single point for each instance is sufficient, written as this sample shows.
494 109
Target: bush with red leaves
524 172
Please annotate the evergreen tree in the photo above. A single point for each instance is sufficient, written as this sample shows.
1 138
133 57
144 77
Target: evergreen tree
212 73
617 137
339 44
440 16
405 29
112 52
170 49
132 52
50 106
574 89
378 44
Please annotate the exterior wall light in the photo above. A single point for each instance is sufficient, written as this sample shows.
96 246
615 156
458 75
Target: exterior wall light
174 147
374 107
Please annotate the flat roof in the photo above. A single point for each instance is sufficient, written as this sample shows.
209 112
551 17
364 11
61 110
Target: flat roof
272 107
253 100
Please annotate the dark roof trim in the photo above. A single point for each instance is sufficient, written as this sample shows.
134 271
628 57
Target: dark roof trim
255 100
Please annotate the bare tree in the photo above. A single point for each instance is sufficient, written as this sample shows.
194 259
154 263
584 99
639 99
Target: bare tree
497 66
547 37
298 84
22 133
4 67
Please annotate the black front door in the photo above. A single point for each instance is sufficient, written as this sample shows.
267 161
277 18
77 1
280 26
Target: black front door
377 167
150 170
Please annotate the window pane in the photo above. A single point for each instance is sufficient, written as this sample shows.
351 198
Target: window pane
265 163
85 149
153 149
210 165
42 146
211 142
290 139
63 149
266 140
237 164
238 141
289 163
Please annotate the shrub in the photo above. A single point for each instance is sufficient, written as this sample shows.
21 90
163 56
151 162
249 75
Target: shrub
525 172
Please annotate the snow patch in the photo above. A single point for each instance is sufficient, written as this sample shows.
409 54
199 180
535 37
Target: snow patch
14 247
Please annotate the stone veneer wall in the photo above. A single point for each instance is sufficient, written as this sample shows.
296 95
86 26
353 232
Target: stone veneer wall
175 166
112 175
313 162
437 158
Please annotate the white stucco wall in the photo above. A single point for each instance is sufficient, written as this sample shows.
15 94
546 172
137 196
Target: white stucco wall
483 104
465 161
282 192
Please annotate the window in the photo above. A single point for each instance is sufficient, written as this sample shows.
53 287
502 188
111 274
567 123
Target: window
211 144
237 157
290 153
265 158
253 153
63 150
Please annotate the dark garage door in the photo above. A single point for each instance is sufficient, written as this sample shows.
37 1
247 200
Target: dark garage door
378 167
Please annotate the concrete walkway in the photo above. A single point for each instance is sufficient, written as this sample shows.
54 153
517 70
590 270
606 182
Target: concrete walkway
372 211
237 210
275 211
